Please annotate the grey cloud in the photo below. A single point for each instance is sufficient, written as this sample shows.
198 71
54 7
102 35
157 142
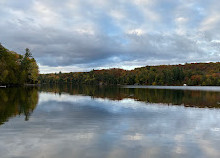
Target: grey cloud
102 34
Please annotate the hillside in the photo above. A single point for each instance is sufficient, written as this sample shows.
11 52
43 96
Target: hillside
205 74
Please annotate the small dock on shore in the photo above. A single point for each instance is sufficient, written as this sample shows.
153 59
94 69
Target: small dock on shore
2 86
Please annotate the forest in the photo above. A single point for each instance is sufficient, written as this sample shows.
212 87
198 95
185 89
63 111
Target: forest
192 74
16 69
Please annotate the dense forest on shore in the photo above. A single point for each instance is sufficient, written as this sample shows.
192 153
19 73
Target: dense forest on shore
16 69
205 74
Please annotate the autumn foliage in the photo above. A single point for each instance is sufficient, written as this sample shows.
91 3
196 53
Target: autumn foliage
16 69
205 74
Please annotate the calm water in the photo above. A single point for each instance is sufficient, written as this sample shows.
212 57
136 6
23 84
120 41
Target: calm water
109 122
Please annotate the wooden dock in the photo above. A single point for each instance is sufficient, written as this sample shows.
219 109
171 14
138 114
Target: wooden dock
2 86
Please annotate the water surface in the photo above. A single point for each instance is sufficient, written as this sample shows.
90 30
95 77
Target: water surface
98 122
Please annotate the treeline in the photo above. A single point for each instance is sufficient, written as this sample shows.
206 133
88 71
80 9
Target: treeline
16 69
205 74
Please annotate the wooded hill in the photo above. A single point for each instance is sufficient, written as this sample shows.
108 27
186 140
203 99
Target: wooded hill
205 74
16 69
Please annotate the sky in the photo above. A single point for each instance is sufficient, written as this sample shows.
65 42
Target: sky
81 35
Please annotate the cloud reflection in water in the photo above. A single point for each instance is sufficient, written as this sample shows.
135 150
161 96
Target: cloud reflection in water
78 126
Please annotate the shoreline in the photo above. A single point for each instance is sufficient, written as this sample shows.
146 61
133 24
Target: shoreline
196 88
22 85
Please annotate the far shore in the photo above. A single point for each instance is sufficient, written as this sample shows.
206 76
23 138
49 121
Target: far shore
26 85
196 88
32 85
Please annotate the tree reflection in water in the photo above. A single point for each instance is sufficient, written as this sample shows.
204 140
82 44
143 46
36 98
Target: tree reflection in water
187 98
22 101
17 101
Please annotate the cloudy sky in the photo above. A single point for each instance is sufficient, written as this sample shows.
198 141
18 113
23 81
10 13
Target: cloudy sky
80 35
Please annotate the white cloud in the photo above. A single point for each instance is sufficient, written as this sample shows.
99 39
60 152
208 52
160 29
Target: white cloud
137 32
76 34
117 14
210 22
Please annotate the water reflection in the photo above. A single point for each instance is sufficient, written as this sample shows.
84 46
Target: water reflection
17 101
78 126
188 98
79 122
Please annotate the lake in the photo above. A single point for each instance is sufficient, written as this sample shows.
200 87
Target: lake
63 121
